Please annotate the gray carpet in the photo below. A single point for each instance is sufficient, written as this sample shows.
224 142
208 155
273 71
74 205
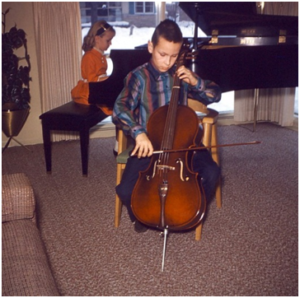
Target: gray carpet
248 247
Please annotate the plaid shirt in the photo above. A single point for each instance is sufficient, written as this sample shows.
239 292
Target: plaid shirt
146 89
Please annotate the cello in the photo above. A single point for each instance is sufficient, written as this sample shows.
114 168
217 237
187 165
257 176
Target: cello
168 195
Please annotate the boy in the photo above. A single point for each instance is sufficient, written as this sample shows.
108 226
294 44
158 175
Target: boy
149 87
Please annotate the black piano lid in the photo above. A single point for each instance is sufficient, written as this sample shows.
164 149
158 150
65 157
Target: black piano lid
238 18
239 68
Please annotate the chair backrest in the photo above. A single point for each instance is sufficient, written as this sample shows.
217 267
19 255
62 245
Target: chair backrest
209 116
197 106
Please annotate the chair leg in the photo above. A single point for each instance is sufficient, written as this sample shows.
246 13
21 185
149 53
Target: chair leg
219 194
84 147
118 211
214 142
118 204
47 146
206 140
215 156
198 232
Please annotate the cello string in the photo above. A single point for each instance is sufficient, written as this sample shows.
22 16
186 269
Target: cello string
169 128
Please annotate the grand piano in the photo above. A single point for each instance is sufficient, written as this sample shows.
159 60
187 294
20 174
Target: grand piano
242 50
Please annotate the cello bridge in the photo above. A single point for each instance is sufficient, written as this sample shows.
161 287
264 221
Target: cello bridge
159 167
163 167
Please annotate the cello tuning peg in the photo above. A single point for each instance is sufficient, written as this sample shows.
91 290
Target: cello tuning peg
192 54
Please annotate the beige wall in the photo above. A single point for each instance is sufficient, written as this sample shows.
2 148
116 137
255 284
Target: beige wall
21 14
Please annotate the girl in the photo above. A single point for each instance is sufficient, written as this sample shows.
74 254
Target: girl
94 64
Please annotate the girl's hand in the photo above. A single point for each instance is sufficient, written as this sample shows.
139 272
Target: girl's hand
143 146
187 75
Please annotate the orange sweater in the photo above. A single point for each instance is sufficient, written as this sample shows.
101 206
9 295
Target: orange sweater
93 65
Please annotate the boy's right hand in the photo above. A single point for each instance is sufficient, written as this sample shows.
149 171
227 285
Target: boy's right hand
143 146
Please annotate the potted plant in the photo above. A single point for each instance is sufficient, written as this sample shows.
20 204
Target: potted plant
15 80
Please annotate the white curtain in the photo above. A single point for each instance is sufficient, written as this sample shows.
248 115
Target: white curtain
58 41
276 104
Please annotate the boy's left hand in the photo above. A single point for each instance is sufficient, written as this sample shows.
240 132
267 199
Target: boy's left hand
187 75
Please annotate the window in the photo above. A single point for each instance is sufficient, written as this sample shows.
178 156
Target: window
94 11
144 7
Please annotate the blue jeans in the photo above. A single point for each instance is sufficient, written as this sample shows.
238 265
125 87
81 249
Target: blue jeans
203 164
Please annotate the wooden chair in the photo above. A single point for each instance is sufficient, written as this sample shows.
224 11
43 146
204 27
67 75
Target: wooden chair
207 117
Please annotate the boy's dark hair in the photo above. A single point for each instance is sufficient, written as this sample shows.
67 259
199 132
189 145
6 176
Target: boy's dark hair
169 30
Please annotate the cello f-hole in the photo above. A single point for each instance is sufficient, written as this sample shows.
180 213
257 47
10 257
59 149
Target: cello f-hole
154 171
181 171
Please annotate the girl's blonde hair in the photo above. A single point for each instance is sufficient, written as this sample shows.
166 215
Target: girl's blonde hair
98 28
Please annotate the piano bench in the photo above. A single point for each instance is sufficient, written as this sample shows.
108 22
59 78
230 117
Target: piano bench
71 117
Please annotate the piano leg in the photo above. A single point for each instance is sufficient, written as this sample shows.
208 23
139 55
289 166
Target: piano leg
256 95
